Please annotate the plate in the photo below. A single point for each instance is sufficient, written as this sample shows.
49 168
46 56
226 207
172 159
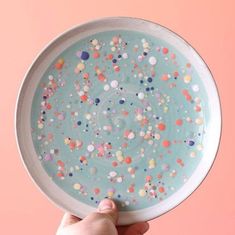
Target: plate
118 108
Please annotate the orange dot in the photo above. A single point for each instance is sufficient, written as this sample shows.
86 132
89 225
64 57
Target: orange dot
101 77
82 158
166 143
179 122
128 160
161 126
161 189
164 77
110 56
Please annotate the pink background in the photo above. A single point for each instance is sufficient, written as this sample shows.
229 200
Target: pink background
26 26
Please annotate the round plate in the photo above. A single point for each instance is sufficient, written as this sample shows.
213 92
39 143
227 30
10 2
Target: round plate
120 108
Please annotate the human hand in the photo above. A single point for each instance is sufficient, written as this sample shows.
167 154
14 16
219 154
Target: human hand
102 222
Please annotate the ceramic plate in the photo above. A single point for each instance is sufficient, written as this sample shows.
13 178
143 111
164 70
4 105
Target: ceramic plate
118 108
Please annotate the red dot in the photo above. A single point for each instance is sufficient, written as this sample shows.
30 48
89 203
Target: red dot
60 174
96 55
131 189
49 106
179 122
83 98
128 160
166 143
165 50
60 163
161 126
114 164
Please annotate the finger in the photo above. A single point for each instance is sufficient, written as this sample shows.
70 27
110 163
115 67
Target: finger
134 229
109 209
69 219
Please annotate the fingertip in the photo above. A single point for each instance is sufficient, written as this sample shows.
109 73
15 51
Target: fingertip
69 219
108 207
106 204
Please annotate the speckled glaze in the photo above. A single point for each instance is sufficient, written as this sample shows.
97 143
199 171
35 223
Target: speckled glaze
121 115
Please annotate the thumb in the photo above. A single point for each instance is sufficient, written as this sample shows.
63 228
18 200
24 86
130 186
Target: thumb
108 209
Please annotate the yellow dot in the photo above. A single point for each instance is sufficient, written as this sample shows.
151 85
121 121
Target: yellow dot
80 66
110 194
152 163
120 158
199 121
66 140
142 192
187 78
77 186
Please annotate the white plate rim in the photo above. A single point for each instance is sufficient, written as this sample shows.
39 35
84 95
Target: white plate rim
139 215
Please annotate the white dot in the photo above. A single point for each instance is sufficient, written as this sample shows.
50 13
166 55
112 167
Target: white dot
90 148
131 136
113 173
114 84
86 88
141 95
195 88
50 77
119 179
88 116
106 87
124 56
152 60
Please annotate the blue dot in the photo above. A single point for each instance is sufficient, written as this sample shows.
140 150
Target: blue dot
114 61
85 55
147 89
79 123
121 101
191 142
97 100
150 79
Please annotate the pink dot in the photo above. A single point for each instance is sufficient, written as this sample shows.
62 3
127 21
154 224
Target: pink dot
148 178
96 191
165 50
